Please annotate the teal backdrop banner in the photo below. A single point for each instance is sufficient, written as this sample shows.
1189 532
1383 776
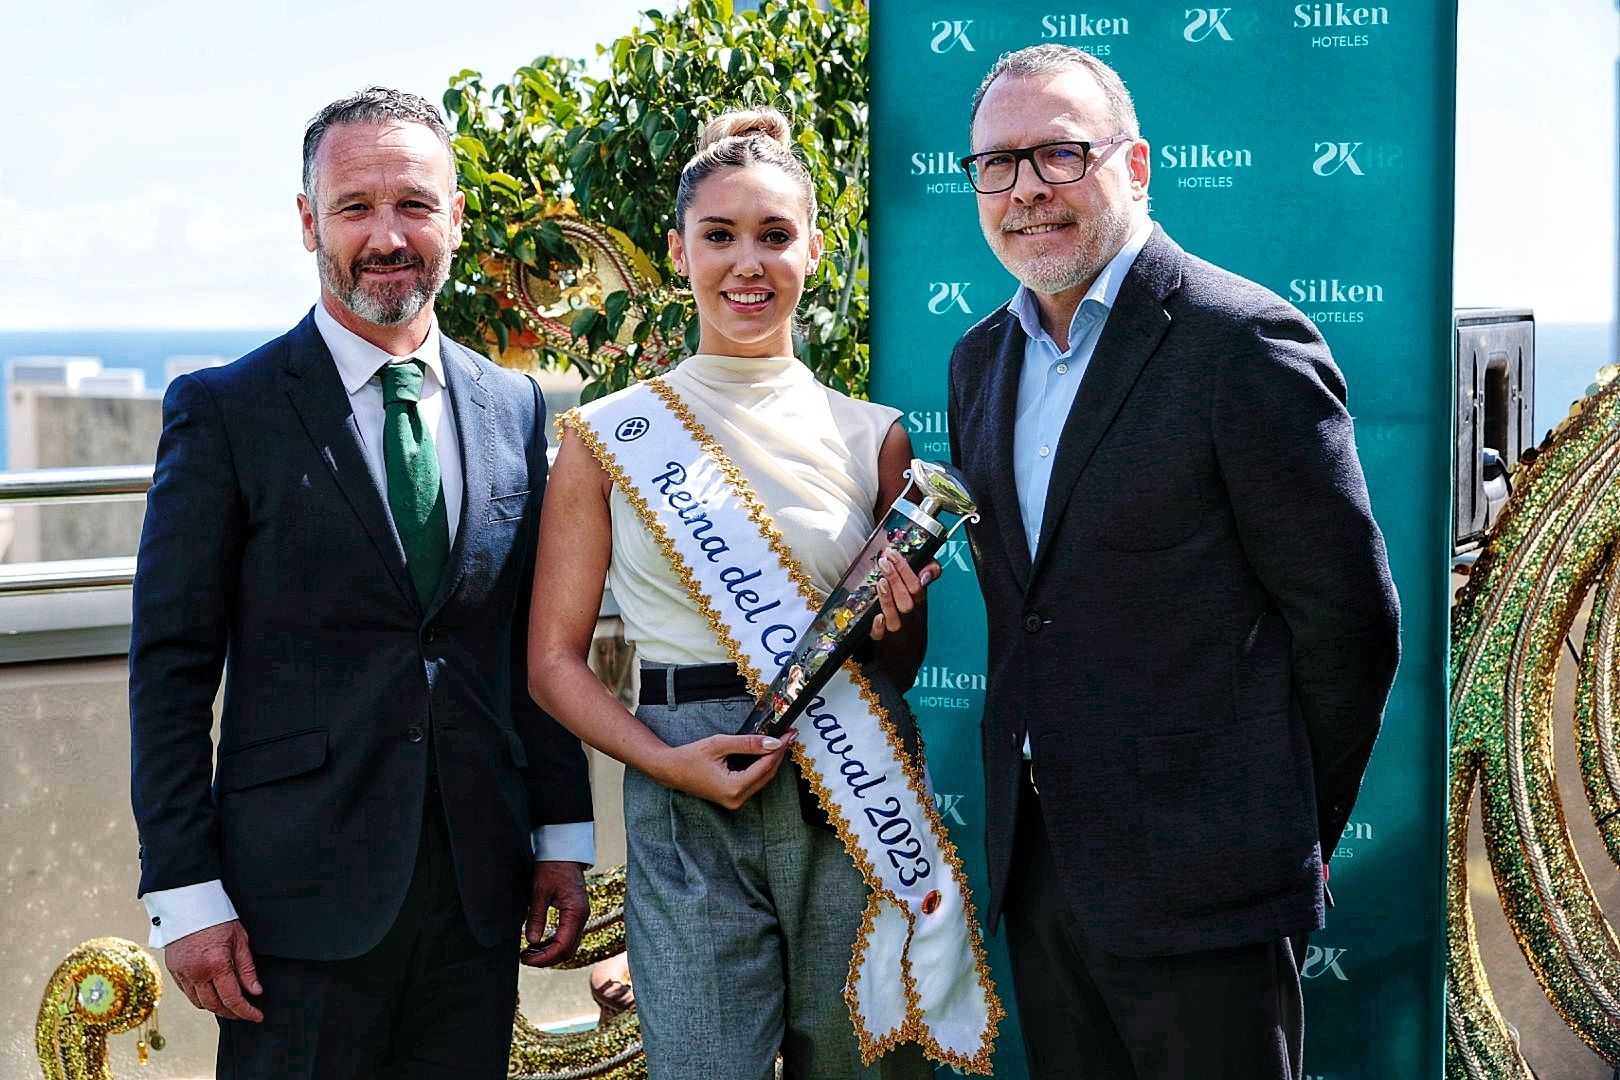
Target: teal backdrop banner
1308 147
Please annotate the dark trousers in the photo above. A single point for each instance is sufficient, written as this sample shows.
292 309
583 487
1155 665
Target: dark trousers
1224 1014
428 1001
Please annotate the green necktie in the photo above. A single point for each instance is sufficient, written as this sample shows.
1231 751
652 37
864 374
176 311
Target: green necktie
414 495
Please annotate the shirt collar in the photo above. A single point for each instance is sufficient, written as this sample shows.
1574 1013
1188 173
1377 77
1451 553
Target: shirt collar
1104 291
357 359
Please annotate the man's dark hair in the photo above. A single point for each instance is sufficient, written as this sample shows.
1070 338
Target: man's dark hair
373 105
1042 60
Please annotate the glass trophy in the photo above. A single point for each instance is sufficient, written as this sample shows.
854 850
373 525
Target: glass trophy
915 531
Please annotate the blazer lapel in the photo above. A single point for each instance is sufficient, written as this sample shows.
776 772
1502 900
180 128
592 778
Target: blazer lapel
311 382
1133 331
1006 364
469 402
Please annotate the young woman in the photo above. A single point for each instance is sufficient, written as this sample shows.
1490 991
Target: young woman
743 905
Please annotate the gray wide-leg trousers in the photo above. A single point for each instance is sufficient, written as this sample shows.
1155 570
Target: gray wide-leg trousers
739 926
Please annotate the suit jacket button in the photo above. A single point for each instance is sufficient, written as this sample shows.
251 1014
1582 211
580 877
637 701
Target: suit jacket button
1032 623
414 733
428 635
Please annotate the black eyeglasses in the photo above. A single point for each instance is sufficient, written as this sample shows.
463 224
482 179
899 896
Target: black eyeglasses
995 171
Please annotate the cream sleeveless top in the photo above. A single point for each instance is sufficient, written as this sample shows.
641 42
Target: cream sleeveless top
809 452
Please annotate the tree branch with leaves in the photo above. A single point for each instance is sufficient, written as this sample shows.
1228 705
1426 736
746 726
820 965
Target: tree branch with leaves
553 146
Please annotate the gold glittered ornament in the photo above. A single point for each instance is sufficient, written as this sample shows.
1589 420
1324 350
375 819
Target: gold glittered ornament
610 1050
548 303
105 986
1554 543
109 985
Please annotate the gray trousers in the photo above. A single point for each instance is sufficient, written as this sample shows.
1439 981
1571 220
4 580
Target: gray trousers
739 927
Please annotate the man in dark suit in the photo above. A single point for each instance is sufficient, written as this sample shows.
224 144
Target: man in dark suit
1192 628
343 521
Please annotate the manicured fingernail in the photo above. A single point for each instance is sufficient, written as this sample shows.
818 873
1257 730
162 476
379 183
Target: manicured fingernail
925 577
769 743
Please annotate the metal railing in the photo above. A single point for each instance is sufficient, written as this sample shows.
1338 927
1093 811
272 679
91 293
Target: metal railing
79 484
78 607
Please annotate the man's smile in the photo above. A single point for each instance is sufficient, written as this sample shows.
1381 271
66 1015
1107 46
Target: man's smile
1042 228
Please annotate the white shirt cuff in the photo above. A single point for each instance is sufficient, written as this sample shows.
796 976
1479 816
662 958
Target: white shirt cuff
177 912
574 841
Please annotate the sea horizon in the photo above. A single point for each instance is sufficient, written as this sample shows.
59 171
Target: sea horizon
1568 356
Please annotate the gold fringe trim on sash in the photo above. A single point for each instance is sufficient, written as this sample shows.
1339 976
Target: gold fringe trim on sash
573 421
745 494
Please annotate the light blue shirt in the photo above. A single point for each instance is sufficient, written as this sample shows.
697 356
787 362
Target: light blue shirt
1051 376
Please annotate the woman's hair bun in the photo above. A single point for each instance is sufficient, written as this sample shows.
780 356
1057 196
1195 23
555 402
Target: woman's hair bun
739 138
741 123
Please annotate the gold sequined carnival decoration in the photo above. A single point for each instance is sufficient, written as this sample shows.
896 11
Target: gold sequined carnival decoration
1554 544
605 1051
105 986
613 273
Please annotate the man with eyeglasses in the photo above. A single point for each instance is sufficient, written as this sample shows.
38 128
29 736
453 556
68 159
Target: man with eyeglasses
1192 627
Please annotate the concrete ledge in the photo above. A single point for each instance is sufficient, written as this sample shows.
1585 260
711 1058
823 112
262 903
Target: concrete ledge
66 624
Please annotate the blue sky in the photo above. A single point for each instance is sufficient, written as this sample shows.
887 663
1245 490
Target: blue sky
1536 134
149 154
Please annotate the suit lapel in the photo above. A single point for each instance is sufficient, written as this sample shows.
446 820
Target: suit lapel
469 402
1006 364
311 382
1133 331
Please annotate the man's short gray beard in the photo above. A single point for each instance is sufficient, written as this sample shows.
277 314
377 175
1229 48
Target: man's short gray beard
1047 276
1058 279
379 311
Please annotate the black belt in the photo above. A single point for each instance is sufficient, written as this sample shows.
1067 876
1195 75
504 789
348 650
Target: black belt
695 682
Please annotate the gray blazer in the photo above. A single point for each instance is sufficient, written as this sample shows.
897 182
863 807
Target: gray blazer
1201 651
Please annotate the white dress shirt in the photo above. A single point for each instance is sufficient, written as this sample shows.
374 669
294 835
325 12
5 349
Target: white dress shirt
174 913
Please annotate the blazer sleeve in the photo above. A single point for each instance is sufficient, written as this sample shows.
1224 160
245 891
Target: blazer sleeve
558 775
952 412
1286 449
184 599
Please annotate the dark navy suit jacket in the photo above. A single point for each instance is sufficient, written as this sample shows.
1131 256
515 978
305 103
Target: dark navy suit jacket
269 553
1201 650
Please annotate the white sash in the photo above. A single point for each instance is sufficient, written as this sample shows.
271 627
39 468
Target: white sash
918 971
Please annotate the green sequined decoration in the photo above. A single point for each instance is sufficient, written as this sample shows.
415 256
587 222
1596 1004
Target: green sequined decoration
1553 545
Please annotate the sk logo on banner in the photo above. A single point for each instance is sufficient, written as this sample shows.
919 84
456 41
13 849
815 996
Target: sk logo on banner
1204 22
950 33
631 428
948 294
954 553
1321 960
1333 156
946 805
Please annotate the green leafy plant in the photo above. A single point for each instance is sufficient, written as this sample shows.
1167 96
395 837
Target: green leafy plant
554 140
